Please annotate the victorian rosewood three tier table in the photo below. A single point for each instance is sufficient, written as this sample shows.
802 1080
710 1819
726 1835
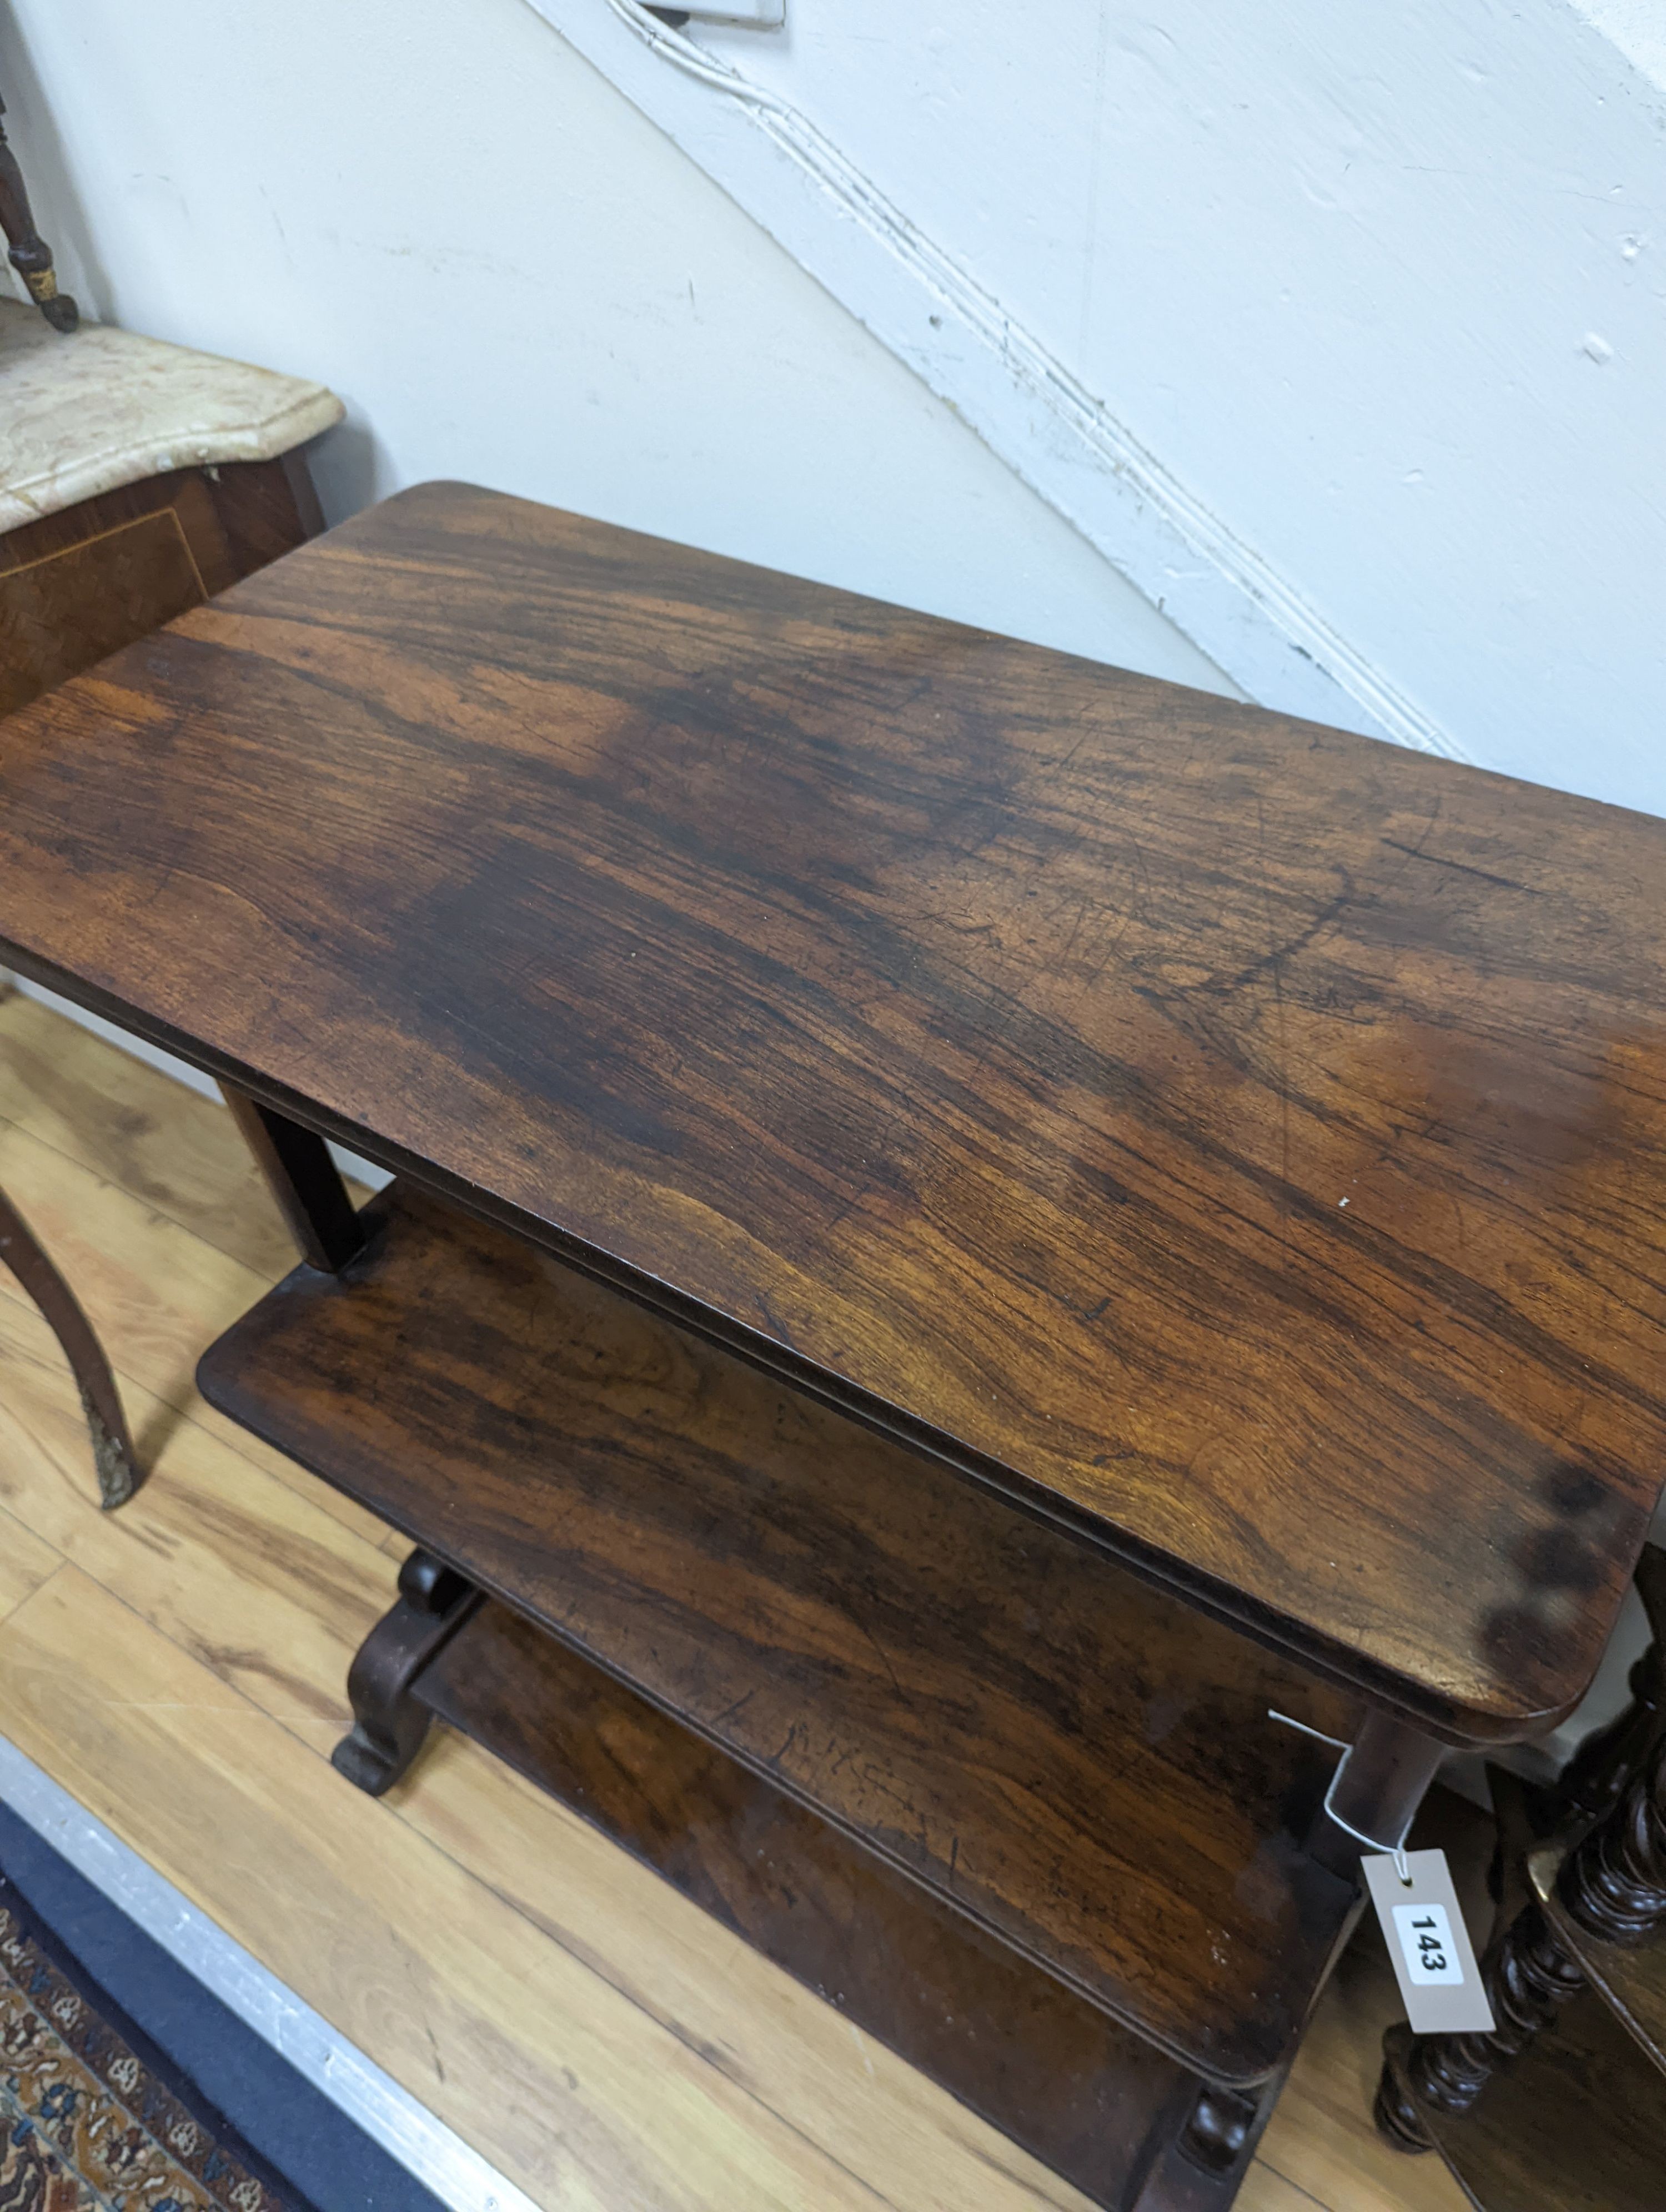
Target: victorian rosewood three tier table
975 1237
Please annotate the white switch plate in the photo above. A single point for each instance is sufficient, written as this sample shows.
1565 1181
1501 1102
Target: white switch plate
758 15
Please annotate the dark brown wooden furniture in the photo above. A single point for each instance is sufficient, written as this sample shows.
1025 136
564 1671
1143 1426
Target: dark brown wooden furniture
1565 2102
114 1461
30 255
74 584
998 1765
1076 1760
77 584
968 1223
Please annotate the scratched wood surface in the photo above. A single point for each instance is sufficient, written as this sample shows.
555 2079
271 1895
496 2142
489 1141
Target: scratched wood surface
519 1973
1244 1140
1073 1759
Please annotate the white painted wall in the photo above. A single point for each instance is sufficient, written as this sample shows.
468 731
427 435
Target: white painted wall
1381 286
1366 301
1638 27
509 275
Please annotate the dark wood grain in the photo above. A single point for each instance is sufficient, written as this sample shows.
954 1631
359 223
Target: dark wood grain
78 584
1576 2124
1098 2105
1069 1754
1244 1141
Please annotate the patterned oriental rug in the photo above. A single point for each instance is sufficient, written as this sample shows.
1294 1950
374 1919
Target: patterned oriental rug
93 2118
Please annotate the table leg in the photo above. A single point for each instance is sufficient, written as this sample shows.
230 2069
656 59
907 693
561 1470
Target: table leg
30 255
305 1182
388 1724
119 1472
1374 1794
1613 1883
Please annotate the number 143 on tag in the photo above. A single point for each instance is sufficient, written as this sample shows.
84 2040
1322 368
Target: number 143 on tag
1429 1946
1425 1942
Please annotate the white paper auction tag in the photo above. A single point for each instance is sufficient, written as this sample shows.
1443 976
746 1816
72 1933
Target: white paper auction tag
1429 1946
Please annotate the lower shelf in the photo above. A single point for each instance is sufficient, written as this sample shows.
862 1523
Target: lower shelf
1107 2111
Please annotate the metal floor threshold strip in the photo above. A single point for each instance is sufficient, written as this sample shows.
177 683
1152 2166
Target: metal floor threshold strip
423 2144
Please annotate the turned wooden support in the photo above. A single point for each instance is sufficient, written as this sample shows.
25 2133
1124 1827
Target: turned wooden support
1528 1976
389 1726
1606 1761
113 1457
1612 1883
30 254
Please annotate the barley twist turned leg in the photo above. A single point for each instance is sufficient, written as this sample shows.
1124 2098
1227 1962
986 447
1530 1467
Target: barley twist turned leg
1614 1883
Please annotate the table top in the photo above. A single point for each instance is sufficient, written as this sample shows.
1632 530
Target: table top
1241 1141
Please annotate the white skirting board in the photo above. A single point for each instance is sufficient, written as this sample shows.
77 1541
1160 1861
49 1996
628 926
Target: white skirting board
390 2116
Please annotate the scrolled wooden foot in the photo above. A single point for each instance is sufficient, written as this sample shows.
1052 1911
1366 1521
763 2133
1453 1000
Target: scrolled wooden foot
389 1726
113 1459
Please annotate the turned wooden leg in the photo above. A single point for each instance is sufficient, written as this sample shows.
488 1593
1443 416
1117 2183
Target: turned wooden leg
1394 2109
118 1468
30 254
388 1724
1606 1762
1528 1979
1614 1883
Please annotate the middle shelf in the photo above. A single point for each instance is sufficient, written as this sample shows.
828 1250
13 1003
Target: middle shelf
1080 1762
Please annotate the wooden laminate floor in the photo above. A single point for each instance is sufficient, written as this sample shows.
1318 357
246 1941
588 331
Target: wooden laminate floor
179 1666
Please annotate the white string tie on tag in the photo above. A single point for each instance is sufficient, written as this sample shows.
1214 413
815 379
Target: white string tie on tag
1396 1851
